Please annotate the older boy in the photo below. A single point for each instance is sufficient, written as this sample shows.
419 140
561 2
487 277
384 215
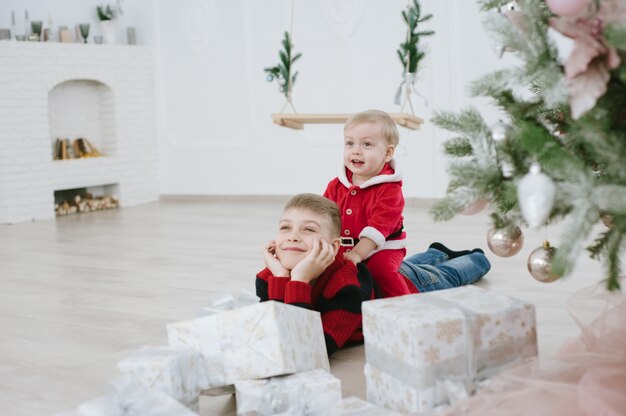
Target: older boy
303 269
368 191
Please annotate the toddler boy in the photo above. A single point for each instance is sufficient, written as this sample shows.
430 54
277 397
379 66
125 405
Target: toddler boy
368 192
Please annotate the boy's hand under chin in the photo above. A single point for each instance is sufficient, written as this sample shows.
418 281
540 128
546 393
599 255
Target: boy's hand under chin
271 262
319 258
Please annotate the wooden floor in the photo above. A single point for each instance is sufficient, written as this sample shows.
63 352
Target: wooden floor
80 293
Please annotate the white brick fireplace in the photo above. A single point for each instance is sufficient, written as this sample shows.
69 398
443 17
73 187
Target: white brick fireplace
53 90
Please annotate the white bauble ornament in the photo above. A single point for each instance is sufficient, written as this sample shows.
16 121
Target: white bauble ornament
500 131
505 242
540 263
475 207
567 7
507 169
535 193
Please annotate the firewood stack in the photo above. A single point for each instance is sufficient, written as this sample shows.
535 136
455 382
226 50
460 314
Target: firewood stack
86 204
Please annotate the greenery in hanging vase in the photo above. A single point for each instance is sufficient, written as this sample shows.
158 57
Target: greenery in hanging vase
282 72
409 53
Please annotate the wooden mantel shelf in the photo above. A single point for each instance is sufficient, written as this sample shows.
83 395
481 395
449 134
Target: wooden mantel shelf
297 121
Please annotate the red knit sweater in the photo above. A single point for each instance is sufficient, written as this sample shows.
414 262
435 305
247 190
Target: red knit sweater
337 294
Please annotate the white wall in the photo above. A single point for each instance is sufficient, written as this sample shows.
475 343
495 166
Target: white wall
216 135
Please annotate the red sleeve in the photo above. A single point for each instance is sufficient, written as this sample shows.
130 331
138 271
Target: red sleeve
270 287
331 191
386 209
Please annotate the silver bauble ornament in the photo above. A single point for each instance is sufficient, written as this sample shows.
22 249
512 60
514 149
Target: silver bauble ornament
507 169
269 78
500 131
505 242
535 193
475 207
540 263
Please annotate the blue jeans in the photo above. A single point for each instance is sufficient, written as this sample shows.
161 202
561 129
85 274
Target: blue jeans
432 270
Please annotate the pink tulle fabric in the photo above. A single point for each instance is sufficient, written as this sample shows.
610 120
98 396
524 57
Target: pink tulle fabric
586 377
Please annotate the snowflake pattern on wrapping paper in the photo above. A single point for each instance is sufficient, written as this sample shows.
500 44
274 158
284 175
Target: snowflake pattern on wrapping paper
431 355
448 331
501 347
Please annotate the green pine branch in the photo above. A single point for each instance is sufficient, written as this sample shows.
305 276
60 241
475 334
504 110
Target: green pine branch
616 36
282 72
410 53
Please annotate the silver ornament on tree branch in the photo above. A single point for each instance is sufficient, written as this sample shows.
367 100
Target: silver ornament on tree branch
505 242
540 263
500 131
535 193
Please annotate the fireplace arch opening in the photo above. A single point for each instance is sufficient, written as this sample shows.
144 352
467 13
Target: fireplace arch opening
82 109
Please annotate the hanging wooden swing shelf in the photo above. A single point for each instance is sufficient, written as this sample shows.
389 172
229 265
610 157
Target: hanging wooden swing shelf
297 121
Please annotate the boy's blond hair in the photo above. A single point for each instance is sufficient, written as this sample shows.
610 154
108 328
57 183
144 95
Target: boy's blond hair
319 205
388 126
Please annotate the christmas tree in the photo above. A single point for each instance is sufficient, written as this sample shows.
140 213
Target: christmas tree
565 118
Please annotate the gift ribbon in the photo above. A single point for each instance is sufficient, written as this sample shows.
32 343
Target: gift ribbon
461 372
286 397
408 81
125 398
226 302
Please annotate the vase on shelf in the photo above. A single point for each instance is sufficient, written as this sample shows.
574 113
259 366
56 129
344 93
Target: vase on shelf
108 31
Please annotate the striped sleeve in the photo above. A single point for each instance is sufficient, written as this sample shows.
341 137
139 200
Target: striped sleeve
270 287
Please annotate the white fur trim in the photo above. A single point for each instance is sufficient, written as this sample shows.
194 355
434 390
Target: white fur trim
373 234
389 245
395 177
342 176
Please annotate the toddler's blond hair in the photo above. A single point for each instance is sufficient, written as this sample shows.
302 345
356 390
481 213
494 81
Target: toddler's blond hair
388 126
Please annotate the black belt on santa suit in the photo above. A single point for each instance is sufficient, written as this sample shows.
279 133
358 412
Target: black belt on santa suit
351 241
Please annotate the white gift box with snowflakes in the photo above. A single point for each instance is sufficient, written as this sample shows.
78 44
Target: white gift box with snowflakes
313 393
257 341
432 348
178 372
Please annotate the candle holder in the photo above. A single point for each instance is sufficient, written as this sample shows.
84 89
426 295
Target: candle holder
84 31
35 28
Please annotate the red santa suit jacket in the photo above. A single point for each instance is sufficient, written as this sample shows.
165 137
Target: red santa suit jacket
373 209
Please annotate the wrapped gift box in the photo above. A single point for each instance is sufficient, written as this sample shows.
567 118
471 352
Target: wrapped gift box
315 392
178 372
353 406
127 398
431 348
257 341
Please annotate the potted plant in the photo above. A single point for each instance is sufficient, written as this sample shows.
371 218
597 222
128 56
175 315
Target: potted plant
107 14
